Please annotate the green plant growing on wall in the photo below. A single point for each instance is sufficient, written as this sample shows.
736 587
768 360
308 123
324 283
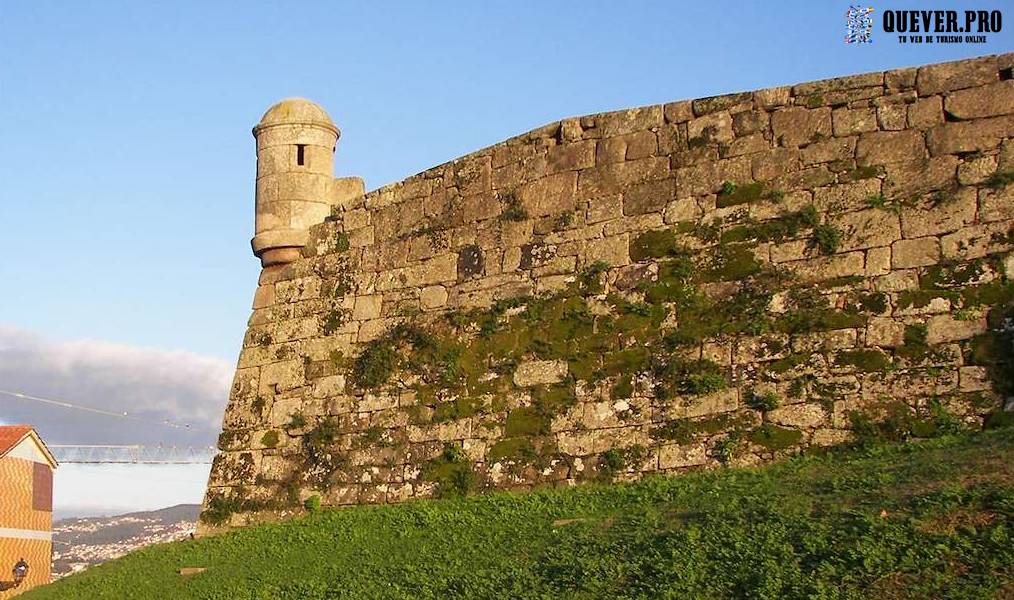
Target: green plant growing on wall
706 136
512 208
675 376
881 202
590 280
333 320
899 422
731 194
999 180
565 220
342 242
865 360
728 448
774 437
783 228
321 456
763 401
312 504
827 238
270 439
809 312
611 462
297 420
451 471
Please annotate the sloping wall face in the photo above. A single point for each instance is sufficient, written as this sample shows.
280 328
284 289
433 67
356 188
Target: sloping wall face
721 281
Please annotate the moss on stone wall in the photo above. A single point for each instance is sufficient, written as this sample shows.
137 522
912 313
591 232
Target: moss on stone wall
472 304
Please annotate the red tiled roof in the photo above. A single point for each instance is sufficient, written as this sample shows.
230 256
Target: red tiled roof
10 435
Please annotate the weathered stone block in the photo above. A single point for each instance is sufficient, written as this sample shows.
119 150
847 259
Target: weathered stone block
891 117
885 332
680 456
682 209
977 241
799 126
628 121
373 402
926 112
806 179
976 170
847 122
280 376
792 250
933 79
719 402
553 194
571 157
773 97
604 208
648 197
867 229
825 341
945 328
828 267
679 112
974 379
774 162
432 297
837 84
615 251
847 196
540 372
969 136
750 121
264 296
610 179
949 214
712 128
641 144
920 252
367 307
477 207
798 415
703 106
996 205
749 144
988 100
831 150
878 261
908 178
881 147
900 79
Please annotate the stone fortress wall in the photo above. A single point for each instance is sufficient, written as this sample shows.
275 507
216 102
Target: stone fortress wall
720 281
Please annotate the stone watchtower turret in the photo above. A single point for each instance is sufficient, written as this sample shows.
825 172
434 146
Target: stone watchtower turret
296 142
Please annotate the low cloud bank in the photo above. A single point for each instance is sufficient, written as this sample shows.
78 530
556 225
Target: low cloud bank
157 385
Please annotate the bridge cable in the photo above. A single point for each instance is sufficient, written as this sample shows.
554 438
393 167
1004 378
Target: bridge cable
108 413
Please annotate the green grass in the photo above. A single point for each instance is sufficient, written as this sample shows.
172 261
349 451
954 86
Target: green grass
927 520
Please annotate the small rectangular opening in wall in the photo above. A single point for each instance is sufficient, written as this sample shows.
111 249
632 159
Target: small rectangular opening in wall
301 154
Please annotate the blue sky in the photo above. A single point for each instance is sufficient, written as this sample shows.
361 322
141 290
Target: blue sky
127 163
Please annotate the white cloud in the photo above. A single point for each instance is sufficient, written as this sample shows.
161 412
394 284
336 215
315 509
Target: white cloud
154 384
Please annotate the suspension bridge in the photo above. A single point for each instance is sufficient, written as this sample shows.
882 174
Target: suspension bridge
160 454
132 454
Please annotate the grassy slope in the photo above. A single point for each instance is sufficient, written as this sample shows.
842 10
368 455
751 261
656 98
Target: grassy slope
934 520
